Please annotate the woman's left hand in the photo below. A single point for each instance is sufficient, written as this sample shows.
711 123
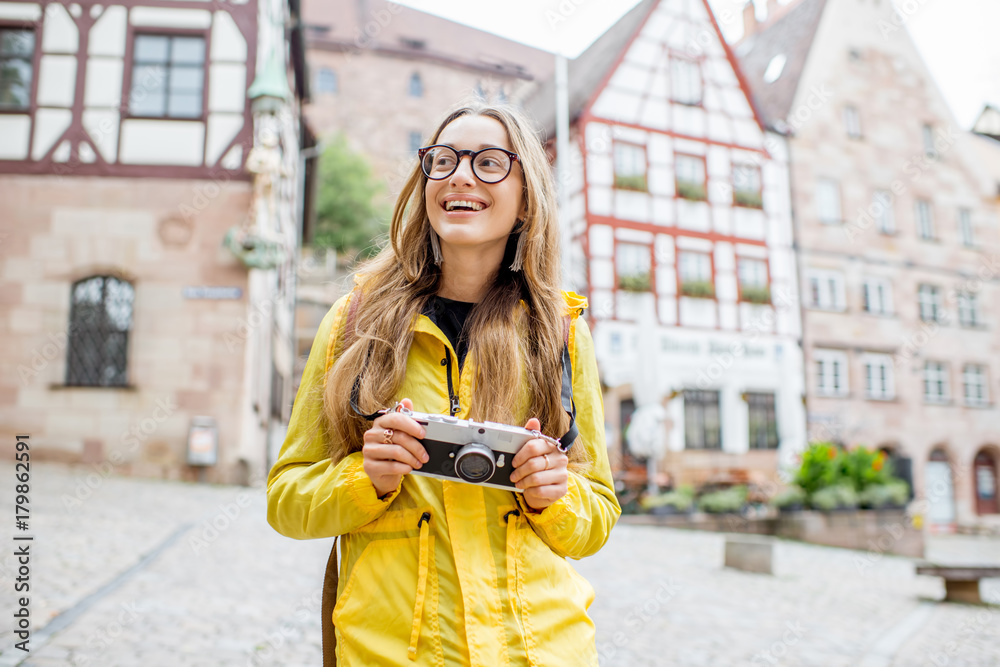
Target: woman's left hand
540 470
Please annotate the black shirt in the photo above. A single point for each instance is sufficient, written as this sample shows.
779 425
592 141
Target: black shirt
450 316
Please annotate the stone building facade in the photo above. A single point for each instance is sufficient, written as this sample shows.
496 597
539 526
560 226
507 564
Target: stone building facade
150 173
681 237
897 232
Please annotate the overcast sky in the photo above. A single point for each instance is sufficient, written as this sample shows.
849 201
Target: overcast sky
957 38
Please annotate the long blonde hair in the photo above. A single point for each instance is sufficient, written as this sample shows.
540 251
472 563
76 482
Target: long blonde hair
511 345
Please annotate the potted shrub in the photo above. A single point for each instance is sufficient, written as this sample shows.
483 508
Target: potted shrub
839 497
701 289
725 501
892 495
818 468
792 499
689 190
761 295
638 282
679 501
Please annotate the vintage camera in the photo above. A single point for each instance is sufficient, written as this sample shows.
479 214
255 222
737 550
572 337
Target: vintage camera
469 451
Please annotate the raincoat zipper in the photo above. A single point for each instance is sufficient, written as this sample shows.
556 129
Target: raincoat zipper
453 405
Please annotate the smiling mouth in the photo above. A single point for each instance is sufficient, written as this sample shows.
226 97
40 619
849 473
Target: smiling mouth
463 205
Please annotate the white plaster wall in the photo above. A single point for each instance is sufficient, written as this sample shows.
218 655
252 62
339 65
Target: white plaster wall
162 142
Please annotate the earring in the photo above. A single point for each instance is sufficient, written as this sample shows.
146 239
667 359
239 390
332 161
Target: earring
518 262
436 248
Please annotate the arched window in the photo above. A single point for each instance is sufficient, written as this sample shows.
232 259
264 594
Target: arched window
416 85
99 321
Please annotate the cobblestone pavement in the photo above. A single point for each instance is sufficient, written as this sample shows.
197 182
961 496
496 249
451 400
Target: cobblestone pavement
128 572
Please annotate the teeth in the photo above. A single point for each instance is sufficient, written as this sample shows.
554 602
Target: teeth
455 203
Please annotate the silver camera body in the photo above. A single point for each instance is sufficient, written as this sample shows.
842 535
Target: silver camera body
463 450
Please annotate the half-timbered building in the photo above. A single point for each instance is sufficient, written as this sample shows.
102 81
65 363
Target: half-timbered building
151 182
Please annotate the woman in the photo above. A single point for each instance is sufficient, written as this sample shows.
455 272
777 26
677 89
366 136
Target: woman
460 314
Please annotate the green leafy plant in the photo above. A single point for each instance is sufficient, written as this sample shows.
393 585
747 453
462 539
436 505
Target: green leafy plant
748 198
348 212
689 190
818 468
756 294
701 289
839 496
893 494
863 467
790 497
637 282
727 500
681 499
631 182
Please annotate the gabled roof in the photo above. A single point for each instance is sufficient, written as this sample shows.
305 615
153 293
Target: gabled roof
791 35
988 123
588 70
410 34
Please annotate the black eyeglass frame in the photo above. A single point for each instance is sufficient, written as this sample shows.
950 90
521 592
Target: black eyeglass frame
421 152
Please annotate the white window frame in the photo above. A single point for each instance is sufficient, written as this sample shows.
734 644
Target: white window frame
632 259
936 376
968 310
852 122
685 81
694 266
832 378
923 214
966 228
886 221
976 385
880 383
751 271
681 164
630 159
929 302
828 201
927 132
826 289
877 296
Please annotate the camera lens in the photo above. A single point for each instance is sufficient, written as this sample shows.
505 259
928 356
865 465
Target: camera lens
475 463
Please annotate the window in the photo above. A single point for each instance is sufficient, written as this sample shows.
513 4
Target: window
763 424
690 172
686 78
100 319
883 213
326 81
747 186
695 270
168 76
416 141
935 382
17 49
752 274
928 135
879 381
965 228
976 386
775 68
826 289
632 263
831 373
852 122
925 220
828 201
702 427
630 167
416 85
929 300
878 296
968 309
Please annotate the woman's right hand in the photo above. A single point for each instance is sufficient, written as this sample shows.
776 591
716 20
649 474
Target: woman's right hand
385 463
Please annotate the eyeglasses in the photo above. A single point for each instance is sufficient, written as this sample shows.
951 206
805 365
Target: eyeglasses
490 165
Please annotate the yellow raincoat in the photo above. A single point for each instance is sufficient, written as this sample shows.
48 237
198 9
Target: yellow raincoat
448 573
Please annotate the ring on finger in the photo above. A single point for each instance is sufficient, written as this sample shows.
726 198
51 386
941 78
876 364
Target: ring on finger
387 436
546 457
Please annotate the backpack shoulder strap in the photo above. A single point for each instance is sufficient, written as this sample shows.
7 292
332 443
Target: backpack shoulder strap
566 394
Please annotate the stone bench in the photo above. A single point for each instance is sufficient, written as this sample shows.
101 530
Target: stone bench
750 553
961 582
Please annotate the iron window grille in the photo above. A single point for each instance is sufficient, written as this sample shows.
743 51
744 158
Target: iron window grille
100 321
702 423
763 421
